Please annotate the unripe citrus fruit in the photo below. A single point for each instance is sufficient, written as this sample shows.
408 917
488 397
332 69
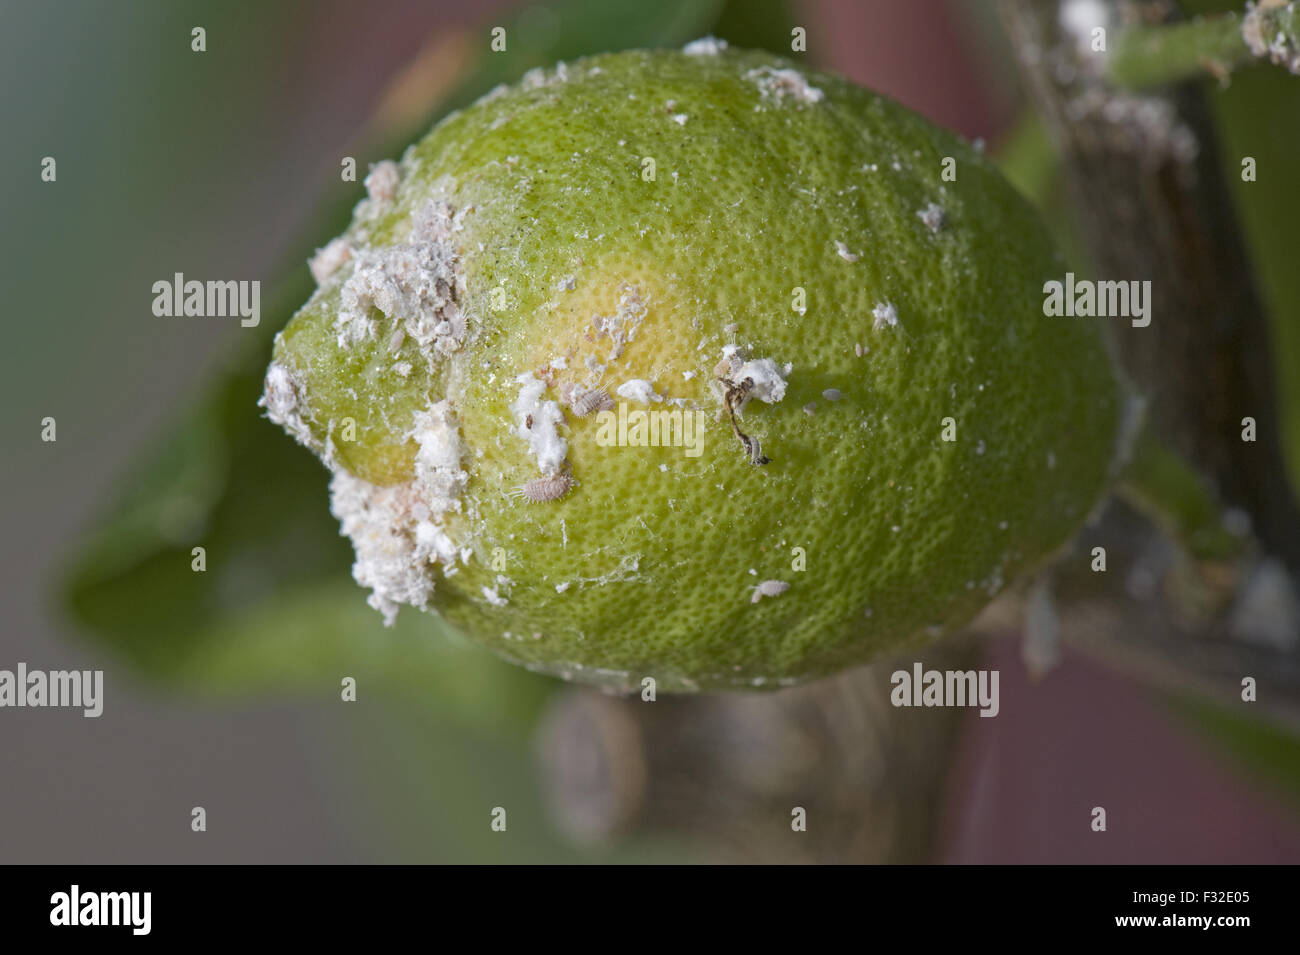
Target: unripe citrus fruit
694 366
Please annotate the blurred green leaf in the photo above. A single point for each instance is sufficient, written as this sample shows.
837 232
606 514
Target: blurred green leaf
223 479
757 25
1258 115
1028 159
1268 752
430 777
541 34
310 637
276 606
1175 496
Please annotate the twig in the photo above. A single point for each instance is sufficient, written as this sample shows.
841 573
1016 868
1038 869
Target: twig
1146 184
1145 55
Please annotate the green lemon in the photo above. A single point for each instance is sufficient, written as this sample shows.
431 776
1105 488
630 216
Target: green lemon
695 366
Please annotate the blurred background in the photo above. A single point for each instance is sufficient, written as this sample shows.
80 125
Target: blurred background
222 689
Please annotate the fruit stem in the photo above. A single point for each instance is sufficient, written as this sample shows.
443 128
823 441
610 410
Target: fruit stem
1152 55
1162 486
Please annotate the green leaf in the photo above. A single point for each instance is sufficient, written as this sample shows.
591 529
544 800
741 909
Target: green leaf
757 25
1028 159
1269 753
309 638
1256 116
542 34
1172 494
429 788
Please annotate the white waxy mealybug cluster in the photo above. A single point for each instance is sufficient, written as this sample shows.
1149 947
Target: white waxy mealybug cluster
329 260
411 289
639 389
621 327
784 84
381 184
885 315
537 78
537 421
933 216
285 404
769 588
1279 45
705 46
400 533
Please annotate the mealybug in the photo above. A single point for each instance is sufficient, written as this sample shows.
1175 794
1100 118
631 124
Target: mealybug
589 402
542 489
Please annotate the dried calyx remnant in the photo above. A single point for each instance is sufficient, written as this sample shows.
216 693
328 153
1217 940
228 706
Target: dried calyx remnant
741 379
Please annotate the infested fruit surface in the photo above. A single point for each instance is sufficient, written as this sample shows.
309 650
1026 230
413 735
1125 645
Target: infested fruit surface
542 261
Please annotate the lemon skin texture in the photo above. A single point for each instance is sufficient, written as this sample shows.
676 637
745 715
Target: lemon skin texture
626 218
